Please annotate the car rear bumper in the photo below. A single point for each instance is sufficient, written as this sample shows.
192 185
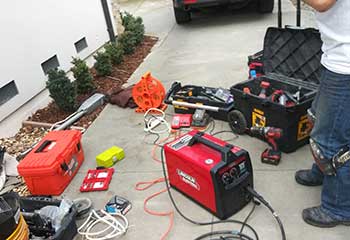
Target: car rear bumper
204 3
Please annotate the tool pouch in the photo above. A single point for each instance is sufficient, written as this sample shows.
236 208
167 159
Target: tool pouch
324 164
341 157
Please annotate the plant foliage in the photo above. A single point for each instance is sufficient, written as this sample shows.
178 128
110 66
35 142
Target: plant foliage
115 52
62 90
103 64
135 26
127 41
83 77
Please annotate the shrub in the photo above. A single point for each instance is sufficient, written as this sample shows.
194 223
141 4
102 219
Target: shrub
115 52
82 75
103 64
127 18
127 42
134 25
61 90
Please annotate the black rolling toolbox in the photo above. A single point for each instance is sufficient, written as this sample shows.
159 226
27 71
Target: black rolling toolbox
218 102
291 60
68 229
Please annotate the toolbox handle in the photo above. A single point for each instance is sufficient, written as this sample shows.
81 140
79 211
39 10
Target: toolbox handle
43 146
176 86
265 103
280 13
227 155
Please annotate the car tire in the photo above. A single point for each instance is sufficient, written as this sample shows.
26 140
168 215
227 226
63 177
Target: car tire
182 16
265 6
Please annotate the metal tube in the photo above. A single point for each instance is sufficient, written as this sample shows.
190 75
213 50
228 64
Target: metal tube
70 121
298 13
280 13
108 20
196 106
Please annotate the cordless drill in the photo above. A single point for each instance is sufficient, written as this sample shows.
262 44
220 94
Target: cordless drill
271 155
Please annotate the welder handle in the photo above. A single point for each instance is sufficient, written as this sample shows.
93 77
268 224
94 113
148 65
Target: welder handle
227 155
43 146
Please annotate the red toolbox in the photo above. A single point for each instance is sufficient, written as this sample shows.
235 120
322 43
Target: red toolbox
52 164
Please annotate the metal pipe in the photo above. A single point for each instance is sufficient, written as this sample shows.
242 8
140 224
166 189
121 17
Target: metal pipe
196 106
280 13
298 13
108 20
70 121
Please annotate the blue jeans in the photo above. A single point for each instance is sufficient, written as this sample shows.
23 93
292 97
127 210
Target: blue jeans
331 132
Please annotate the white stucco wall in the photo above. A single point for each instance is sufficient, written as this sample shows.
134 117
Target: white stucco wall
32 31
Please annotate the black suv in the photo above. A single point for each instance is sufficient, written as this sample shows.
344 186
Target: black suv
183 8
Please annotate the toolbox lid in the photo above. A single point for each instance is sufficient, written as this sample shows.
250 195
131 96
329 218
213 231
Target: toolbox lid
293 52
50 152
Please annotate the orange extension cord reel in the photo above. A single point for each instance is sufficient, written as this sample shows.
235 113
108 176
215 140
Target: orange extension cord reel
148 93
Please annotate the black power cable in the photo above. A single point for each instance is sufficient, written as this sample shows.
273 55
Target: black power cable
255 203
224 235
202 223
263 201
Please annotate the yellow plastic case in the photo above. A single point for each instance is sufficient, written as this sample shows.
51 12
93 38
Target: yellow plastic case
109 157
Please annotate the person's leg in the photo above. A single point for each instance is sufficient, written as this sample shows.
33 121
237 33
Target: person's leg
331 133
313 176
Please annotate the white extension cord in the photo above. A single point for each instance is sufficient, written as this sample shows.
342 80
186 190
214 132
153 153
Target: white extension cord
116 225
152 121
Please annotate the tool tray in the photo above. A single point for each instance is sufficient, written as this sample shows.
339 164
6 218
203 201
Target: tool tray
291 61
177 93
68 229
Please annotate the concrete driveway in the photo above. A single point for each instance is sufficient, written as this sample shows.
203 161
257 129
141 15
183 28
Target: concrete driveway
212 51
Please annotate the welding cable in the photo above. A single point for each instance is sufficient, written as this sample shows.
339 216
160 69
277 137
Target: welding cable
158 144
255 203
83 206
116 223
224 235
147 185
226 131
263 201
152 121
189 219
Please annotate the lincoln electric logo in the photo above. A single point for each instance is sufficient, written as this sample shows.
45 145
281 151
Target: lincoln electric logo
188 179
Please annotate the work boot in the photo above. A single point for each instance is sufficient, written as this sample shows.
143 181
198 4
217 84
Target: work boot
307 178
317 217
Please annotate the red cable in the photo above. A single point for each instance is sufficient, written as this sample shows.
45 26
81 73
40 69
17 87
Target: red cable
149 184
170 214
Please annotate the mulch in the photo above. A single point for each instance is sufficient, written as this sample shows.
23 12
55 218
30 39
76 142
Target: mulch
106 85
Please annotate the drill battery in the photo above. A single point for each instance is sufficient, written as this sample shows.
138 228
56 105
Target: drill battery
210 171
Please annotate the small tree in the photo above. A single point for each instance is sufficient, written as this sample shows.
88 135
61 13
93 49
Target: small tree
61 90
126 18
135 26
115 52
128 42
82 75
103 64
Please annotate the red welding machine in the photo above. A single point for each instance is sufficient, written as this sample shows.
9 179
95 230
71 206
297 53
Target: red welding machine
210 171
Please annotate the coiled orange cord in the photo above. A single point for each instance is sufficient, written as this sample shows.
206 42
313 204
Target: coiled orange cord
152 212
